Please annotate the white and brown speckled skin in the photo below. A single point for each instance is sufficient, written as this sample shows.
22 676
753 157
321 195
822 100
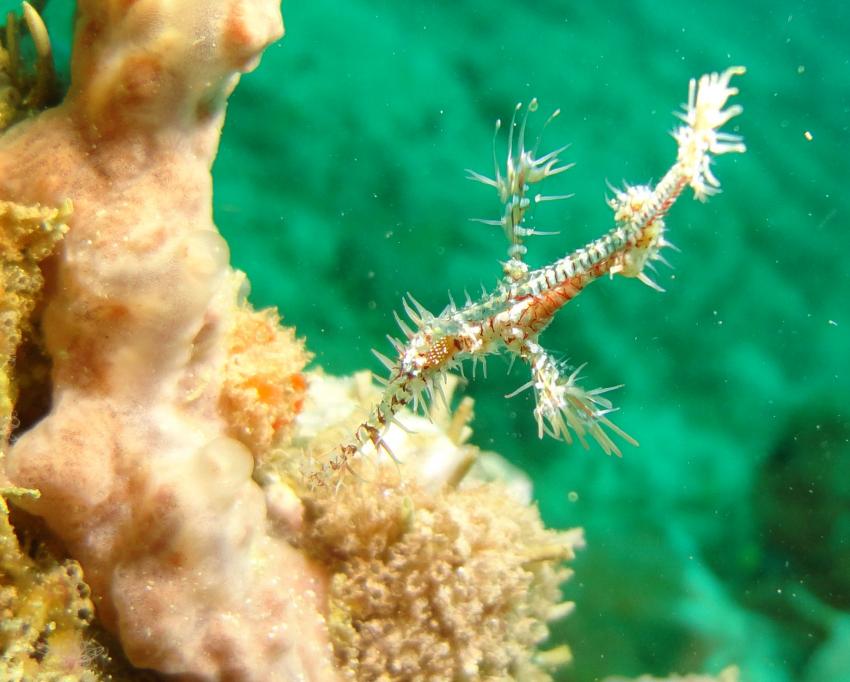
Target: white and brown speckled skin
135 473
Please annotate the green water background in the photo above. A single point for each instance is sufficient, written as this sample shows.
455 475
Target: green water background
725 537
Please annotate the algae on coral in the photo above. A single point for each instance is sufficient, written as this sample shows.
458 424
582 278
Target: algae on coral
28 234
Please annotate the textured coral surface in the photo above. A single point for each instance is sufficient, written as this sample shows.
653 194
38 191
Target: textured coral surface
44 609
168 389
442 568
138 466
440 587
28 234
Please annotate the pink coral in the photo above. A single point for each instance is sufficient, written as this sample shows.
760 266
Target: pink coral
139 473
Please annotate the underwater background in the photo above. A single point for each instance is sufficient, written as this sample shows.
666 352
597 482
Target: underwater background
725 537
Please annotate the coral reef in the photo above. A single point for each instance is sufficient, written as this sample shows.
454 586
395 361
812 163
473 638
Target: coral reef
45 608
137 473
442 570
261 394
441 586
167 389
28 234
169 464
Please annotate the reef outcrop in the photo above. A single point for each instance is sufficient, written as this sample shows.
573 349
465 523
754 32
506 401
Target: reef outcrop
140 469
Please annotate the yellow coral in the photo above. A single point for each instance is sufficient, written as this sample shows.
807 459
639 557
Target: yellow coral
28 234
440 568
453 585
44 604
9 95
263 387
730 674
44 610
